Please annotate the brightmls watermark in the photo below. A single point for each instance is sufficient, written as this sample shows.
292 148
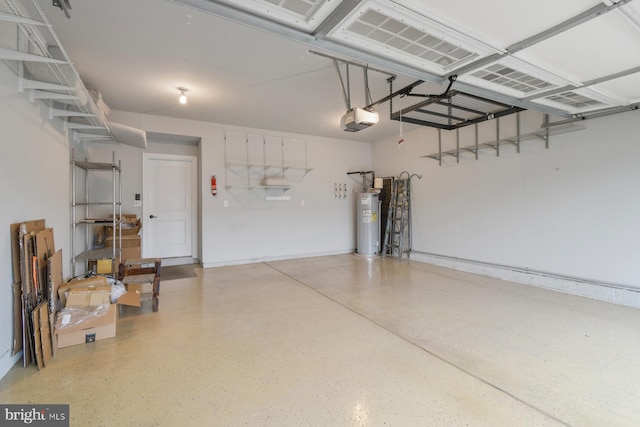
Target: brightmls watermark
34 415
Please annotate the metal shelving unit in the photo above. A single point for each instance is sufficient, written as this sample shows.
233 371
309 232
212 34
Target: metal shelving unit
85 224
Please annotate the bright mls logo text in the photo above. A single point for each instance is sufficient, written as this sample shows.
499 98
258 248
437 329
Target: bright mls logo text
39 415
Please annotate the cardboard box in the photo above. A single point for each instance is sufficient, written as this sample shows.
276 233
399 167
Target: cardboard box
132 227
100 266
90 329
127 241
88 296
130 253
88 315
130 246
65 288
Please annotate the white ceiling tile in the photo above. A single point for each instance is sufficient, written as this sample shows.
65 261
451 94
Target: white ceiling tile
305 15
631 13
627 88
597 48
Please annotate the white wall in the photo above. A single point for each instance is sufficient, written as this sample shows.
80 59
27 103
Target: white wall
34 167
252 229
571 210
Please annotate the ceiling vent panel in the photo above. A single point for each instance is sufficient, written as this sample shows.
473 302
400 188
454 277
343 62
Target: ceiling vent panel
305 15
581 100
515 78
400 34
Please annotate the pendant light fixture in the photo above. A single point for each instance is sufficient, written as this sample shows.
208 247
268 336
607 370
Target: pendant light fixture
183 98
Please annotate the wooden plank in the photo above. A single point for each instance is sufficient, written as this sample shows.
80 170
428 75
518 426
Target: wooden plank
54 279
17 318
26 334
16 232
28 297
45 334
26 255
45 248
35 317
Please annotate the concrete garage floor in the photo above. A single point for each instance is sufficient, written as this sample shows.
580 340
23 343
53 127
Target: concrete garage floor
345 340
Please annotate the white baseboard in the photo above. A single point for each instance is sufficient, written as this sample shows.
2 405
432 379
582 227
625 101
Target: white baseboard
271 259
7 361
179 261
616 294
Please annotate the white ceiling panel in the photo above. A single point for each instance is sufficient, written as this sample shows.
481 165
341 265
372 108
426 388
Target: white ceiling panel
500 23
302 14
627 88
597 48
399 34
631 12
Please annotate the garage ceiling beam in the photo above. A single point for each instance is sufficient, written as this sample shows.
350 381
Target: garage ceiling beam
340 12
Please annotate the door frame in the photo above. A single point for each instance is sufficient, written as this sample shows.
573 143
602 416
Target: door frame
193 160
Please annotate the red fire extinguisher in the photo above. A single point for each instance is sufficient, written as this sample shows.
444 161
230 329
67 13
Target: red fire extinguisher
214 187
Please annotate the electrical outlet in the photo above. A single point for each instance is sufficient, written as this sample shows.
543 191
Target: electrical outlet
226 203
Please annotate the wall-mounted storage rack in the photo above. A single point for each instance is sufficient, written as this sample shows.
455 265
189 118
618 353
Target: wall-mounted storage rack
261 174
46 72
543 134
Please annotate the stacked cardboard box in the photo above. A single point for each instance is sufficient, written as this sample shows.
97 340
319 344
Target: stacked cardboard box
130 246
129 223
130 243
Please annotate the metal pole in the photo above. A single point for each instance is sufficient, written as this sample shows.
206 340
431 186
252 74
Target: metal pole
281 156
497 137
73 213
113 208
342 86
246 144
226 161
440 146
119 208
390 80
518 132
457 145
348 93
546 134
367 93
477 148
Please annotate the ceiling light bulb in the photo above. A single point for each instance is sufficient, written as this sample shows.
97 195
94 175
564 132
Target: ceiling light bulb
183 97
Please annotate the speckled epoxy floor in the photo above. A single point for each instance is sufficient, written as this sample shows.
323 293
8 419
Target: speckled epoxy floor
345 340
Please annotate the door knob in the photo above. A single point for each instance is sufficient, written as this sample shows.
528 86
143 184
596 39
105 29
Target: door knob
152 216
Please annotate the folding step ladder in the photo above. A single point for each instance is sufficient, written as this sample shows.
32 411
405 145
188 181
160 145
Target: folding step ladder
397 236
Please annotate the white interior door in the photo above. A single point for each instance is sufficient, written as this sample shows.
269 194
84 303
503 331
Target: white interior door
168 205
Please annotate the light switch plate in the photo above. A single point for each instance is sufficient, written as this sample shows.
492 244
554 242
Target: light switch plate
137 203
